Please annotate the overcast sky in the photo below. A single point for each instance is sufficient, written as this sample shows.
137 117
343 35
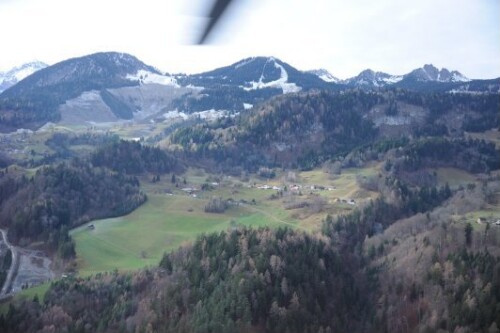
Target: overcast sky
343 36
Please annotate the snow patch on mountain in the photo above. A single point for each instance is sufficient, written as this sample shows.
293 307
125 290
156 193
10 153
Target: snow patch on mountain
328 78
16 74
392 79
458 77
209 115
281 83
324 75
212 114
175 114
370 78
430 73
147 77
244 62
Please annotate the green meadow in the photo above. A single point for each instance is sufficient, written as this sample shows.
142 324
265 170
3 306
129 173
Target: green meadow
162 224
167 221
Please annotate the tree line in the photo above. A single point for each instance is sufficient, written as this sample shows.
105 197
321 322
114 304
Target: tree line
57 198
46 205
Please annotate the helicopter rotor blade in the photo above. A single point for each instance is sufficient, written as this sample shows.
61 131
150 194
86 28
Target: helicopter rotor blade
215 14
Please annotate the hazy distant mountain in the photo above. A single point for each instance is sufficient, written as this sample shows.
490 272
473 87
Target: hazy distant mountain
428 73
431 73
426 78
429 78
16 74
370 78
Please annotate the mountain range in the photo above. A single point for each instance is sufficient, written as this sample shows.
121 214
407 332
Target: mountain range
107 87
370 78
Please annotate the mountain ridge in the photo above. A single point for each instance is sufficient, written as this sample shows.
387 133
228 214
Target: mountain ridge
101 78
426 73
12 76
257 73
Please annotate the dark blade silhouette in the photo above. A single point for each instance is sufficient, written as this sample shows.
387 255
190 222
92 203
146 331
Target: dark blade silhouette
217 10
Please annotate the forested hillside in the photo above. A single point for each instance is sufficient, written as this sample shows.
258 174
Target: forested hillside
304 130
35 100
386 182
247 280
241 281
133 158
57 198
45 206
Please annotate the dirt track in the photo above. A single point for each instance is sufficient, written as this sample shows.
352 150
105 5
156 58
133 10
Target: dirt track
28 268
13 267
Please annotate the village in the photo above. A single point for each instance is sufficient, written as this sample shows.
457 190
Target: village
281 190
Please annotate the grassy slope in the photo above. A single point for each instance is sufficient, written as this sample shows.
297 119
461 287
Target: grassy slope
29 293
165 222
140 238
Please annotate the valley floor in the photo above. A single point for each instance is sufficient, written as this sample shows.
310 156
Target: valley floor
174 216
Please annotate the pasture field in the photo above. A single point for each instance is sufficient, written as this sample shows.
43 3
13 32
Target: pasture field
162 224
490 212
173 216
28 293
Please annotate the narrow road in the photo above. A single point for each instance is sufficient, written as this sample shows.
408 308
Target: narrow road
13 266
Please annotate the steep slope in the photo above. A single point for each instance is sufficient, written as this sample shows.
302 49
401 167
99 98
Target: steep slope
305 129
93 71
289 130
16 74
35 100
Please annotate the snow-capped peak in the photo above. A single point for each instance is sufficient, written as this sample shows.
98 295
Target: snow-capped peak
369 77
16 74
430 73
282 82
324 75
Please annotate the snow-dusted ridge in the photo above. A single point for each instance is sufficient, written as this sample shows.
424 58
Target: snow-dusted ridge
458 77
16 74
393 79
432 74
211 114
244 62
147 77
324 75
427 73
